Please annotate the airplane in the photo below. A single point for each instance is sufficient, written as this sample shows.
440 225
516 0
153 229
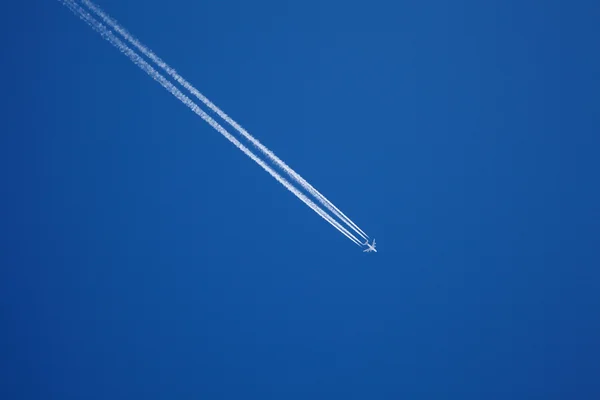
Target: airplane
371 247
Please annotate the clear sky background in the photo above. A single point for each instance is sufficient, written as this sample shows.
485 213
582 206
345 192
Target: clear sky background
143 256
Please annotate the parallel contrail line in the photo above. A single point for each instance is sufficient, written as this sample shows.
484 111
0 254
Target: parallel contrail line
142 64
170 71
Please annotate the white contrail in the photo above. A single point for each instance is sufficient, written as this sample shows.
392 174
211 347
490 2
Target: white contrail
142 64
152 56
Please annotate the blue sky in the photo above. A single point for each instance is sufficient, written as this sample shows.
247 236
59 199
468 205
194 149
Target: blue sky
142 255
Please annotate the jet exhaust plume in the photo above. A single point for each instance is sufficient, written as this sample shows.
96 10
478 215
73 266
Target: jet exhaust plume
146 67
268 153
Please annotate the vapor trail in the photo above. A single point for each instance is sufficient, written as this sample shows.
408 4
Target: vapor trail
152 56
142 64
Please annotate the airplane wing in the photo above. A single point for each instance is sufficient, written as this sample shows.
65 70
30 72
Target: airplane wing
367 250
373 242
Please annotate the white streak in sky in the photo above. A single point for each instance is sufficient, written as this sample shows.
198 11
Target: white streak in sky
142 64
152 56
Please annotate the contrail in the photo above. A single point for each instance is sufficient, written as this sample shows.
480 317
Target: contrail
142 64
152 56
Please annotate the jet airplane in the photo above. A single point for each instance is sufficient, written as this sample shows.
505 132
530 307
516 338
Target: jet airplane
370 247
